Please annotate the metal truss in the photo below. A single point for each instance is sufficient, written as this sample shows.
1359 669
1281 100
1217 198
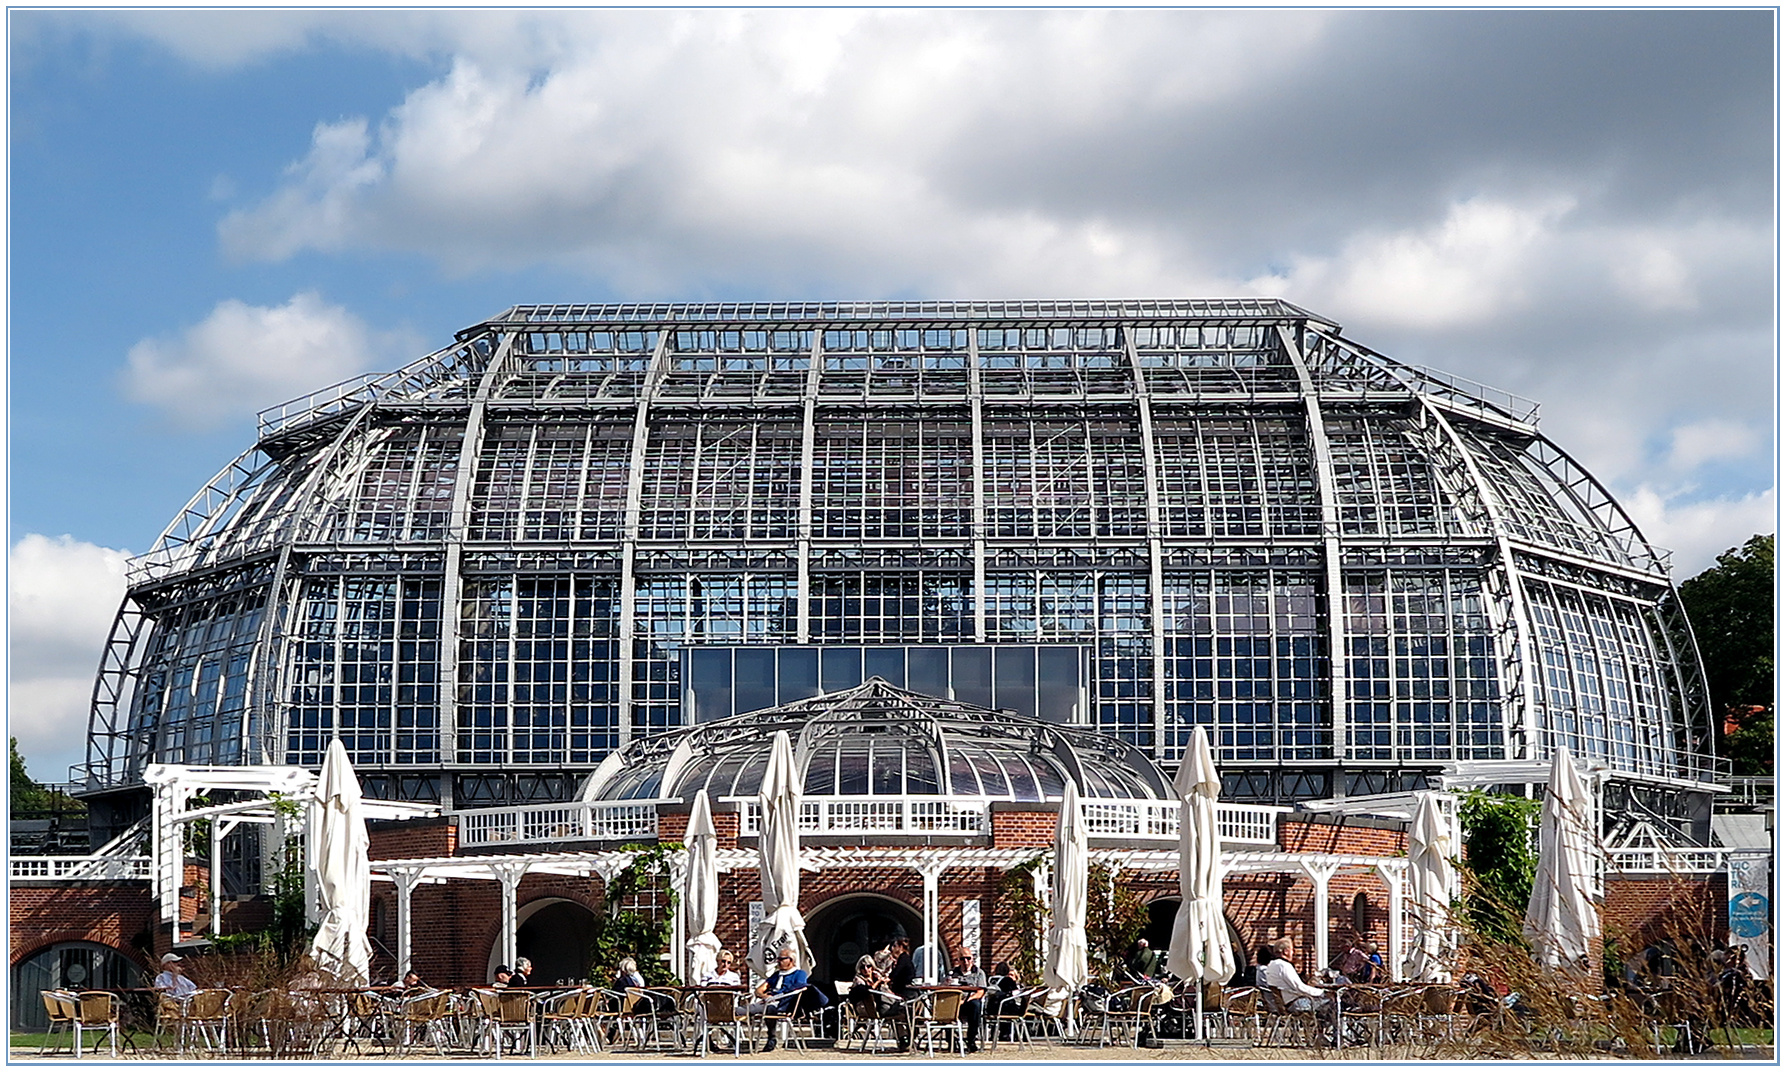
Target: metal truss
1148 460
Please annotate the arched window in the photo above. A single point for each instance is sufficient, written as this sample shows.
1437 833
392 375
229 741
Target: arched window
1361 913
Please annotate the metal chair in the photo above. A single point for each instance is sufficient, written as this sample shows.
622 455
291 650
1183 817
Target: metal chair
508 1015
60 1007
563 1022
96 1011
1285 1026
1005 1012
788 1010
940 1014
207 1016
719 1009
1130 1011
431 1015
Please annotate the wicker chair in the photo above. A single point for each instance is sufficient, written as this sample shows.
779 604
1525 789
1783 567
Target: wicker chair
941 1014
60 1007
430 1015
716 1010
1130 1013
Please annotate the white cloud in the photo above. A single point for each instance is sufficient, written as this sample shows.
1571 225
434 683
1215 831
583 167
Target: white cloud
668 152
1711 440
1472 265
62 595
242 358
1698 530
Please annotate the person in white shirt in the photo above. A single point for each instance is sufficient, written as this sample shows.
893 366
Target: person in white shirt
723 974
173 981
1276 971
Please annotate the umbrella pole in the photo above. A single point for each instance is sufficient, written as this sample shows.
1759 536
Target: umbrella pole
1198 983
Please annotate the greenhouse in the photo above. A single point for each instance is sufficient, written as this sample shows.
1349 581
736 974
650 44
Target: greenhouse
579 526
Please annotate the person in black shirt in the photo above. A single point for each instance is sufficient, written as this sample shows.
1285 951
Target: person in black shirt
902 980
518 977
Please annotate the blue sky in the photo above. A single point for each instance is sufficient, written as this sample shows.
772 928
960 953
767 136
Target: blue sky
213 211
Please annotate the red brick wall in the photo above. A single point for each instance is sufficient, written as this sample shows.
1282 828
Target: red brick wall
1013 829
118 915
1335 838
1640 910
412 839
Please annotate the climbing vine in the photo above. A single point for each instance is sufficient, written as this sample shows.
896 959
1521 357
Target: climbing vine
1115 917
1499 861
632 924
1025 911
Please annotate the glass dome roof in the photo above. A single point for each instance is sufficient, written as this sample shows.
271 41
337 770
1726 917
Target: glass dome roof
879 740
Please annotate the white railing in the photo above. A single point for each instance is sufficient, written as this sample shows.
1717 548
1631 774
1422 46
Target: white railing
1152 820
886 815
74 868
1665 861
575 821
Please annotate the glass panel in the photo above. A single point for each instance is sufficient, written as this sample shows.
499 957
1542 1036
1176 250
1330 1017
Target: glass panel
754 670
971 671
885 663
840 668
1014 680
797 674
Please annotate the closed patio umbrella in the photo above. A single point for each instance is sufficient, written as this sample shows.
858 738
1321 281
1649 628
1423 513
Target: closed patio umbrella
1200 950
700 897
1432 879
778 853
1066 968
343 872
1561 923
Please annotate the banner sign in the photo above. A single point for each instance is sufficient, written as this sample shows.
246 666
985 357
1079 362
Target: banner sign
970 927
1751 916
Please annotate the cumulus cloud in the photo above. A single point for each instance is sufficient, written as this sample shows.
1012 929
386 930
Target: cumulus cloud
242 358
1574 206
1699 530
62 595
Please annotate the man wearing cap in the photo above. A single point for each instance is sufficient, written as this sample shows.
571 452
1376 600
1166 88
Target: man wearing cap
172 980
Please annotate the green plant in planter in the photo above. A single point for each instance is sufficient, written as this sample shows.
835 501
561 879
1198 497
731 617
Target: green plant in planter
1500 861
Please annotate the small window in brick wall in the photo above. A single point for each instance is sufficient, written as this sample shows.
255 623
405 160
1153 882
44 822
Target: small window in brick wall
1361 913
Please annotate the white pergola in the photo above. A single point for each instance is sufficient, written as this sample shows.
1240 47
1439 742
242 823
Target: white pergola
173 785
929 863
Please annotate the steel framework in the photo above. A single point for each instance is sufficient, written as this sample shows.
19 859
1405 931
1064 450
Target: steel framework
1351 570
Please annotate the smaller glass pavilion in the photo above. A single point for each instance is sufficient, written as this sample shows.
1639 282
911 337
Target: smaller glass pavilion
880 740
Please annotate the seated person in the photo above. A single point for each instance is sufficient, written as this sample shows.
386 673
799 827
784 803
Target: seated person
499 979
973 1008
1276 972
173 981
868 991
1145 963
1002 999
1355 965
779 989
627 975
723 973
523 969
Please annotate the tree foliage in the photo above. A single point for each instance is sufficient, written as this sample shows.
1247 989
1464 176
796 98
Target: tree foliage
1500 861
29 795
1731 606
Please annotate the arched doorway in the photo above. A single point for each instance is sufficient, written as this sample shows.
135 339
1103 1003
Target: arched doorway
1161 911
71 966
843 929
555 934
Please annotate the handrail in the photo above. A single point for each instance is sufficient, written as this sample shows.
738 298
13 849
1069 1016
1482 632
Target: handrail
71 868
565 821
1143 819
